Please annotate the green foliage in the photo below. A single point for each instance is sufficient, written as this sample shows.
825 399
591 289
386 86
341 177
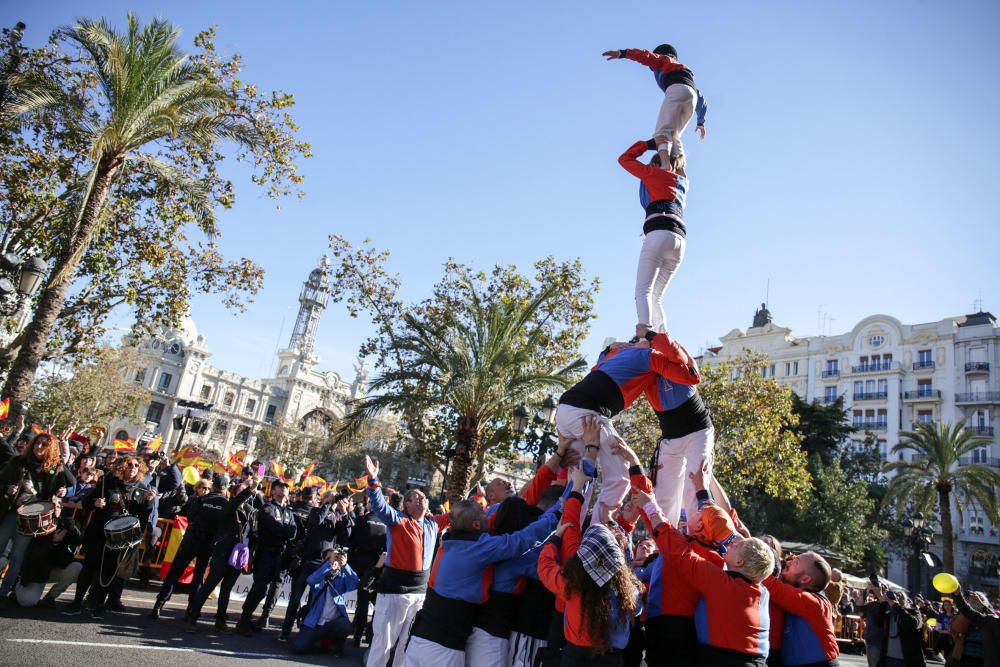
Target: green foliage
92 393
454 365
133 107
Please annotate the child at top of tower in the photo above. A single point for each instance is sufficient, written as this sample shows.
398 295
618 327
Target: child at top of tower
681 98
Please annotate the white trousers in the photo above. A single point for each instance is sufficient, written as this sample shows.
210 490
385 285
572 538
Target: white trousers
524 649
425 653
394 614
614 472
482 648
677 458
661 255
28 595
678 106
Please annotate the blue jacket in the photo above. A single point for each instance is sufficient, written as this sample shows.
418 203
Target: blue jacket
345 582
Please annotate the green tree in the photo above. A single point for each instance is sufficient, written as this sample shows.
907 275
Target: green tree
821 428
92 393
936 473
454 366
117 172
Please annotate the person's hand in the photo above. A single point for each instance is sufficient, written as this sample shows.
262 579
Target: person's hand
640 497
60 493
12 489
150 494
579 478
100 503
701 131
630 511
564 444
698 475
612 55
591 436
381 560
561 528
371 467
624 451
571 458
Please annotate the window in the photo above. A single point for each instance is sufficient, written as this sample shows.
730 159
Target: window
795 368
175 348
925 416
886 360
883 388
870 387
829 394
925 387
283 371
140 375
220 429
882 419
856 418
859 387
832 365
877 340
229 399
924 356
269 415
251 406
243 434
164 383
980 455
155 412
977 525
206 391
788 368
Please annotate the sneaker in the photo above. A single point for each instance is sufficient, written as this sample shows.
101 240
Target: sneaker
222 628
243 628
115 606
73 609
262 624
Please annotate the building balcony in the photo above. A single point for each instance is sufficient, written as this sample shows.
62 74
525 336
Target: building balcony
875 367
831 373
978 397
980 430
992 462
871 396
977 367
922 395
871 425
923 365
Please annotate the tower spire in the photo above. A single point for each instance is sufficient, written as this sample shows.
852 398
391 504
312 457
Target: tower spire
312 301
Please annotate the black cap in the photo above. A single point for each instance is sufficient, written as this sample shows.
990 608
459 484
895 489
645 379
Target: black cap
665 50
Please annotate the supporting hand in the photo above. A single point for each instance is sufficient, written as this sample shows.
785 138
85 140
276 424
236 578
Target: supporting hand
371 467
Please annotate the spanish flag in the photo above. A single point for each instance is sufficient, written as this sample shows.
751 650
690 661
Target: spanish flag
278 469
4 408
38 429
124 445
235 465
186 457
308 471
180 525
362 481
313 480
220 468
155 443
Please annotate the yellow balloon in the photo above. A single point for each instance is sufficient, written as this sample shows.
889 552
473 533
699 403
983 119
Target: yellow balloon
931 622
190 475
945 583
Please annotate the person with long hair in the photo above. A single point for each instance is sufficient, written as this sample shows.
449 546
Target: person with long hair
36 474
119 493
601 593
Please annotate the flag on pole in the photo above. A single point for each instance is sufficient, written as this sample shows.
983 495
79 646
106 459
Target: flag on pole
124 445
278 469
173 544
155 443
37 429
313 480
308 471
4 408
186 457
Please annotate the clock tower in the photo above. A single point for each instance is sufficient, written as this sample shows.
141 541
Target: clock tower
312 301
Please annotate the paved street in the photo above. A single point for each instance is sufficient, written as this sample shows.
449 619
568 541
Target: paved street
41 637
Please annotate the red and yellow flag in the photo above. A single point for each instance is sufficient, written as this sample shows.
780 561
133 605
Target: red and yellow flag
362 481
278 469
220 468
124 445
308 471
313 480
186 457
4 408
155 443
37 429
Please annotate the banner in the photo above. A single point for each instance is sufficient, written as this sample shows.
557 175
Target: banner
245 581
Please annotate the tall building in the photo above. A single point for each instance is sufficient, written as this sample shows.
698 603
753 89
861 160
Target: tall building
893 376
175 368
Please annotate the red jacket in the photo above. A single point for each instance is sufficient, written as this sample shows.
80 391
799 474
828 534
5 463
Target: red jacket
660 183
655 61
808 624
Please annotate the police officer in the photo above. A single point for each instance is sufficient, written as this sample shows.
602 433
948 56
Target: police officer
204 514
275 529
367 545
233 529
303 502
330 522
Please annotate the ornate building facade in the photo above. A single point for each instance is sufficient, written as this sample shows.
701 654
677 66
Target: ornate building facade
893 376
176 370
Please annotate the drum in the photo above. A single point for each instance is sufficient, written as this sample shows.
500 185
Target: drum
36 519
123 532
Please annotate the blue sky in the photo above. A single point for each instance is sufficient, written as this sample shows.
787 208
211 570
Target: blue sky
850 163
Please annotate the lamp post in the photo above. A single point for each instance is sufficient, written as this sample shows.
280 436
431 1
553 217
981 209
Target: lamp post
537 430
920 537
29 276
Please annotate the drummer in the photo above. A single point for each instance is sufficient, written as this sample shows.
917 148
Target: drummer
34 476
119 493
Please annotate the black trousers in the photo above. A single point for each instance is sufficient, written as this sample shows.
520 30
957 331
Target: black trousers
266 568
582 656
195 548
98 573
220 572
361 624
671 641
552 654
295 595
632 655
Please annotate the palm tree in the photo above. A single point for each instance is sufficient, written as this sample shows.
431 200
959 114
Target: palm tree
476 369
149 95
936 473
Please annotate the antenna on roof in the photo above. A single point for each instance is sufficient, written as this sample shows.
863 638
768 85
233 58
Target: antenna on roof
977 305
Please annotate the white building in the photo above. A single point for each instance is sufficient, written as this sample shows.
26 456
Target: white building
175 369
892 376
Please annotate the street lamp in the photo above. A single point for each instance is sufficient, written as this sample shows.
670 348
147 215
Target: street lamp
32 273
541 436
920 537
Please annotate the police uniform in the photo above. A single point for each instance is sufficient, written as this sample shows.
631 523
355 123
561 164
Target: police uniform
291 559
204 515
275 528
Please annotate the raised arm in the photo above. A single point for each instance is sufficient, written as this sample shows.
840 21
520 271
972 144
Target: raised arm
375 496
643 57
549 570
795 600
629 160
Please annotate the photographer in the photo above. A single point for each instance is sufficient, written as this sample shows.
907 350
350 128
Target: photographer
874 610
903 646
327 616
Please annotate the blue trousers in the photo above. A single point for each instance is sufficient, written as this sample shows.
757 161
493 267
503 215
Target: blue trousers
338 629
